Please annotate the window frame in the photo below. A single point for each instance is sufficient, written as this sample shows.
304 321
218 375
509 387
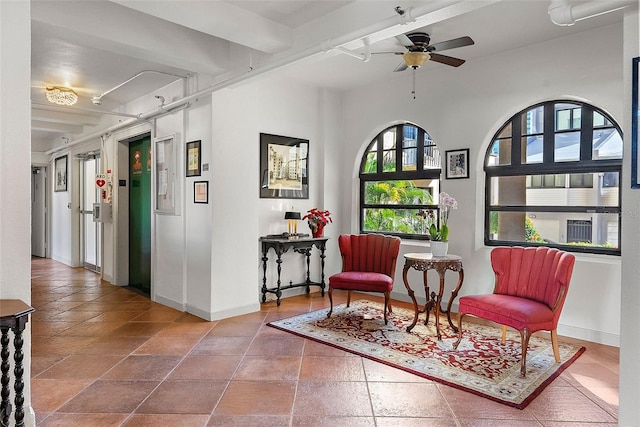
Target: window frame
420 173
585 164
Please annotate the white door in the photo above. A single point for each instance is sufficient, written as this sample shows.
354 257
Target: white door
39 211
90 231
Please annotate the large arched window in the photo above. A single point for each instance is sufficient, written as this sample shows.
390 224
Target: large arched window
399 177
552 179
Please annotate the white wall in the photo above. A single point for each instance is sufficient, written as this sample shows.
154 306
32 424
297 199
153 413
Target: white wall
199 217
15 179
463 108
629 413
277 106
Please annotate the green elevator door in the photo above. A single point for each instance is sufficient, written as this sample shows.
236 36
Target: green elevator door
140 214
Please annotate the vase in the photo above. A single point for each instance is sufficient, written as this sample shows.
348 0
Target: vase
439 249
317 232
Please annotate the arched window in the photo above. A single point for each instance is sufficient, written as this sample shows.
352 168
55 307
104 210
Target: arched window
552 179
399 177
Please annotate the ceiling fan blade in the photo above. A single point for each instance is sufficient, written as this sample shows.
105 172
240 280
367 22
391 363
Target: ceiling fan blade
401 67
451 44
406 41
447 60
387 53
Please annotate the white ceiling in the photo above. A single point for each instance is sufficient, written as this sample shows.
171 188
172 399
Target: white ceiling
94 46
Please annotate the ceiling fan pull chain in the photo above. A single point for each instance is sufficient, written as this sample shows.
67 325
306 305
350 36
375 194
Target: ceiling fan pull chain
413 92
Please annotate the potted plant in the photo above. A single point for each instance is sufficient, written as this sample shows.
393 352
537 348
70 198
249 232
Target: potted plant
439 234
317 219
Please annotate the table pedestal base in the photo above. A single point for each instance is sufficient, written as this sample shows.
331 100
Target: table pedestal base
425 262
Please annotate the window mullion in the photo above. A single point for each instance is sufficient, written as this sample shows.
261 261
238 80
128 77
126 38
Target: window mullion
516 141
399 143
548 142
420 150
380 153
586 134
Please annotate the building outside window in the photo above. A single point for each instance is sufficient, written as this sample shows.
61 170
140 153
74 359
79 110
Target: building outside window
552 178
399 177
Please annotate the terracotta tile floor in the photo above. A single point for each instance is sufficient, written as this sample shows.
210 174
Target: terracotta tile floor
106 356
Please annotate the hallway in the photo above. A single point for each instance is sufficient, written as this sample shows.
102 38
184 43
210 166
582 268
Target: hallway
106 356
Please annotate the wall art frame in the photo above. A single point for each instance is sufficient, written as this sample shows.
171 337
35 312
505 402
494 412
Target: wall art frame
61 175
284 167
635 130
457 163
201 192
193 155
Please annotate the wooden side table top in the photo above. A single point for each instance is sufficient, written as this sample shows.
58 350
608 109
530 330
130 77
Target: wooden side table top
428 257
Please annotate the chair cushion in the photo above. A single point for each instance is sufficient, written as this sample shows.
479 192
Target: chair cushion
509 310
362 281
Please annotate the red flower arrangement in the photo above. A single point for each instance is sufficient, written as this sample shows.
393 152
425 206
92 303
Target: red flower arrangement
317 219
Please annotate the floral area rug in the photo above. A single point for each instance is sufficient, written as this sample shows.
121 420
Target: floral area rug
481 365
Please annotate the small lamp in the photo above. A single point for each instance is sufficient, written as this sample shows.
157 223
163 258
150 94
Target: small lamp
292 222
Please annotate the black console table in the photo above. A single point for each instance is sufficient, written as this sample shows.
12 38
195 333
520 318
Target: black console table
301 245
14 315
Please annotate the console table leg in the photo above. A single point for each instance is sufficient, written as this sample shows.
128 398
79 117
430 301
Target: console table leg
5 407
307 254
264 276
278 291
322 257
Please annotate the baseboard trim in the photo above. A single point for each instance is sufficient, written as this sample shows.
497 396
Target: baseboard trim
590 335
236 311
223 314
169 302
63 260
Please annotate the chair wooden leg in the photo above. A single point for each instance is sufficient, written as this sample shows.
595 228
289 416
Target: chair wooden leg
386 305
554 344
504 334
455 344
348 298
524 336
330 303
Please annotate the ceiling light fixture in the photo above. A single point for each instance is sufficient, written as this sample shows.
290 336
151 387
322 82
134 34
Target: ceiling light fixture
61 95
415 59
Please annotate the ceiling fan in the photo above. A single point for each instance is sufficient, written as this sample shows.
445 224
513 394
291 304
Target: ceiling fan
420 51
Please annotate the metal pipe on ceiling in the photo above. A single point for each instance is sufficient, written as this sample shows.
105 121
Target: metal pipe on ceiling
563 13
98 99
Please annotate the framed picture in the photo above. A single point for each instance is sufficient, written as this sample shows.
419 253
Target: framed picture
201 192
61 174
284 167
166 191
635 115
457 164
194 160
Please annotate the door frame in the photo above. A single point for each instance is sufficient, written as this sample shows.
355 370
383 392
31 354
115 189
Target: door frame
47 202
121 213
85 181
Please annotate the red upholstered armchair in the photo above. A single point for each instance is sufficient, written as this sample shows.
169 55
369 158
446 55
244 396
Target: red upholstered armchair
368 265
531 285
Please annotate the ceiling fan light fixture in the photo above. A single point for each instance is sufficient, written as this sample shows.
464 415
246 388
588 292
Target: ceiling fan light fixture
415 59
61 95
